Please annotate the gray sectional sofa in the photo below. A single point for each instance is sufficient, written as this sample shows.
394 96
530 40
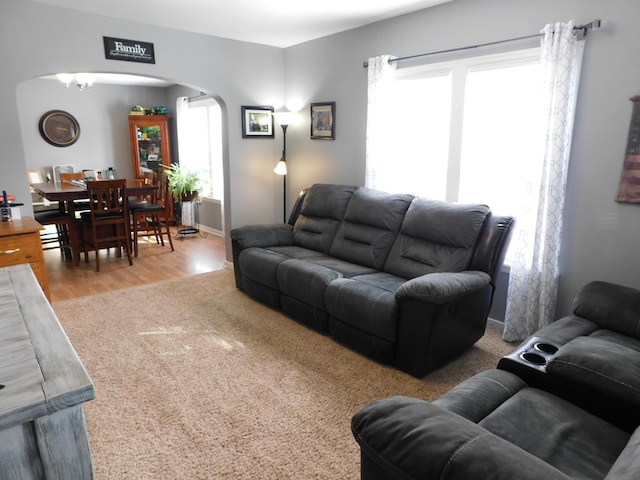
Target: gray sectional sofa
405 280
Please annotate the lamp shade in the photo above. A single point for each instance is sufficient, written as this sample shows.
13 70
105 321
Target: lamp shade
284 118
281 168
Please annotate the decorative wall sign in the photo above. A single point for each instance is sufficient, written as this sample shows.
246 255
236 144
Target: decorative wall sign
323 119
128 50
59 128
257 122
629 188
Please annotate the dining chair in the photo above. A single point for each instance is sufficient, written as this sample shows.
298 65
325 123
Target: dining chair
79 205
50 214
68 176
106 224
148 178
152 217
58 239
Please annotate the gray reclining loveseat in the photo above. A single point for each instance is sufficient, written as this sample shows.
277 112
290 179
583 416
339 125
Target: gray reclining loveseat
407 281
565 404
492 426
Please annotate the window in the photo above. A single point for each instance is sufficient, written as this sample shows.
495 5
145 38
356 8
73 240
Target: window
200 142
468 130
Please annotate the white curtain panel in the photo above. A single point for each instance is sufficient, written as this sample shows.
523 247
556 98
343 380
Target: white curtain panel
381 79
533 281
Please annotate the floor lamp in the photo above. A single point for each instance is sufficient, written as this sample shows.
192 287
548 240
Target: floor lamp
284 119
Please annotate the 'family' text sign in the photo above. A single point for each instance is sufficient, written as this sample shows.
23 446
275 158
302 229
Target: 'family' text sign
128 50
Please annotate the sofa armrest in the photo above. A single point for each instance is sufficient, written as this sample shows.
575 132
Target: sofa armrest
611 306
441 288
270 235
408 438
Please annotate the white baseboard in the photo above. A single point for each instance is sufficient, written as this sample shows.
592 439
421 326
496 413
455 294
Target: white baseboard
496 323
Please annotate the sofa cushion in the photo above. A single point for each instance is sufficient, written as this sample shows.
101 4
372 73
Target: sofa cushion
435 236
628 463
260 265
611 306
600 365
370 226
294 251
305 281
617 338
346 268
575 442
366 302
322 211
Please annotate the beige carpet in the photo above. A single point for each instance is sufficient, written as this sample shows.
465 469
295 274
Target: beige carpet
194 380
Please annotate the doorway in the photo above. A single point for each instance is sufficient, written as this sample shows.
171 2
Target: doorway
199 138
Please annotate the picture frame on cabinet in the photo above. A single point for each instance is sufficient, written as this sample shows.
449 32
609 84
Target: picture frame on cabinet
257 122
323 120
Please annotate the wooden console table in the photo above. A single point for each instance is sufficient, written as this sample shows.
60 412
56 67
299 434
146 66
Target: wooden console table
20 243
43 385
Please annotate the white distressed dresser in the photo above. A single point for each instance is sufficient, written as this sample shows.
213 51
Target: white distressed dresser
43 385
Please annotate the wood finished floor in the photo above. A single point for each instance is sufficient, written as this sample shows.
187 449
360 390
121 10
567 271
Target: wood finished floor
192 255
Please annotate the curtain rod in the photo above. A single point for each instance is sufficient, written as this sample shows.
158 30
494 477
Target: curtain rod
593 25
201 94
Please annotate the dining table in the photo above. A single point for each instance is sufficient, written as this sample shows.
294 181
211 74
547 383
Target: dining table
69 192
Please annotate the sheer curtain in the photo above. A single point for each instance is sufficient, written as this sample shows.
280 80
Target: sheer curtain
381 79
533 282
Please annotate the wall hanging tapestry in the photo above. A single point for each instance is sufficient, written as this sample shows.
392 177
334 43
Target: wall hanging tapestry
629 189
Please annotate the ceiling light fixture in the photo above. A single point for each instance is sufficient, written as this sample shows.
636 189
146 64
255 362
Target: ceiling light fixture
82 80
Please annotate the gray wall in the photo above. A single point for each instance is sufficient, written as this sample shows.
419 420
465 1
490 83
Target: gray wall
237 73
102 113
600 235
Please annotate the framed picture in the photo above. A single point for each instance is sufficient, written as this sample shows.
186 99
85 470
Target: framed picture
257 122
58 169
323 120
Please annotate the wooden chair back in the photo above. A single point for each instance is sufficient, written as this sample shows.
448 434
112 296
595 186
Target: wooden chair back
109 207
162 193
65 177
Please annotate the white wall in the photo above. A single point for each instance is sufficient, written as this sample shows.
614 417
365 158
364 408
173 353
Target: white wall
600 236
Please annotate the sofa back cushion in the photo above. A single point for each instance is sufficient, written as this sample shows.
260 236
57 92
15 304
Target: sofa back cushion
322 211
370 226
436 236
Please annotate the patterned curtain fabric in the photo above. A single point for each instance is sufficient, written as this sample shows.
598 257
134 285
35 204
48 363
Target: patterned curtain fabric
533 282
381 78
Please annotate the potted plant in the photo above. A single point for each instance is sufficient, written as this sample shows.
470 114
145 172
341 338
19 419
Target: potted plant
183 183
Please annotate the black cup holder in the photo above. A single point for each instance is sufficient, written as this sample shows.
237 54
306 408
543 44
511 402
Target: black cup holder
534 358
545 348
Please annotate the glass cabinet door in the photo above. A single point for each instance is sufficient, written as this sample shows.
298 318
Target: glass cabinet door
150 147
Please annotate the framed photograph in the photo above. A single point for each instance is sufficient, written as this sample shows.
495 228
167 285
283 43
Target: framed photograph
257 122
58 169
323 120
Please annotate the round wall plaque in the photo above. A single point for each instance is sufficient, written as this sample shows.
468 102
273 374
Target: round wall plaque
59 128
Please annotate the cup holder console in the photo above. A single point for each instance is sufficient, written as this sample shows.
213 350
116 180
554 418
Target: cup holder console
533 357
535 354
545 348
529 361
